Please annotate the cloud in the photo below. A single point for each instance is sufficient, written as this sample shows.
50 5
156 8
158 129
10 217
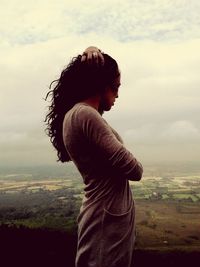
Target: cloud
170 133
155 45
183 130
31 21
158 100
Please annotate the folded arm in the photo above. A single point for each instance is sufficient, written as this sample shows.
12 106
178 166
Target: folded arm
108 146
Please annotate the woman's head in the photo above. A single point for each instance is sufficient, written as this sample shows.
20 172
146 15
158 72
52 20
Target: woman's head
78 82
81 80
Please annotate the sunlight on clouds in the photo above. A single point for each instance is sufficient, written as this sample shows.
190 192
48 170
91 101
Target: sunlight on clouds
165 72
155 44
158 100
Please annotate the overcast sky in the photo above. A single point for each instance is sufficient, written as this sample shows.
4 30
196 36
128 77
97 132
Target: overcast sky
157 46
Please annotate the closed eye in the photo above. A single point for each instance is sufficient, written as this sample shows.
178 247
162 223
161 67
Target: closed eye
115 87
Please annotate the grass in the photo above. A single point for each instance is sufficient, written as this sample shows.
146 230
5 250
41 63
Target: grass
158 221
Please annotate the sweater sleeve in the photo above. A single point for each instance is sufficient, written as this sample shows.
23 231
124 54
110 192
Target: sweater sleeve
101 137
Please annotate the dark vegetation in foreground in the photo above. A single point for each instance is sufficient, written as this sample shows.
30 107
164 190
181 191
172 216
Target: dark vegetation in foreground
21 246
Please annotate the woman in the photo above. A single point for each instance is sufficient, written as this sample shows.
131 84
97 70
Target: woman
106 223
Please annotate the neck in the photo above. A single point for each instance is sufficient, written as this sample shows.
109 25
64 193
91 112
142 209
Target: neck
93 102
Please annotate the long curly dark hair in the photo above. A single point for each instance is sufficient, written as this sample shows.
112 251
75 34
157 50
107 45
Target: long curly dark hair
77 82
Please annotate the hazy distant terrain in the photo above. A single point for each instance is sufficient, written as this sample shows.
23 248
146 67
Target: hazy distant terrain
167 202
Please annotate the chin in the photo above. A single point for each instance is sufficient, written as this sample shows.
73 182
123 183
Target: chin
107 108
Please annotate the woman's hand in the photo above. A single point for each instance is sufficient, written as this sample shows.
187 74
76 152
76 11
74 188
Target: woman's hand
93 54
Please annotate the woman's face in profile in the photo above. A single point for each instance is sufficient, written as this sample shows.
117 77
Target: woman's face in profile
110 94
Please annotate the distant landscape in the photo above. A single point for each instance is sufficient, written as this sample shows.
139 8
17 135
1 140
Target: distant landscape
48 198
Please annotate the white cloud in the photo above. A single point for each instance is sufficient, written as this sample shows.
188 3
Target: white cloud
173 132
182 130
159 96
33 21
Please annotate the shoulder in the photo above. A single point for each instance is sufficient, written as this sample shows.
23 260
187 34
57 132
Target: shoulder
89 119
82 114
85 112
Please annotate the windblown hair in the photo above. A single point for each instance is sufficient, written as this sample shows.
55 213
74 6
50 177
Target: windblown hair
77 82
